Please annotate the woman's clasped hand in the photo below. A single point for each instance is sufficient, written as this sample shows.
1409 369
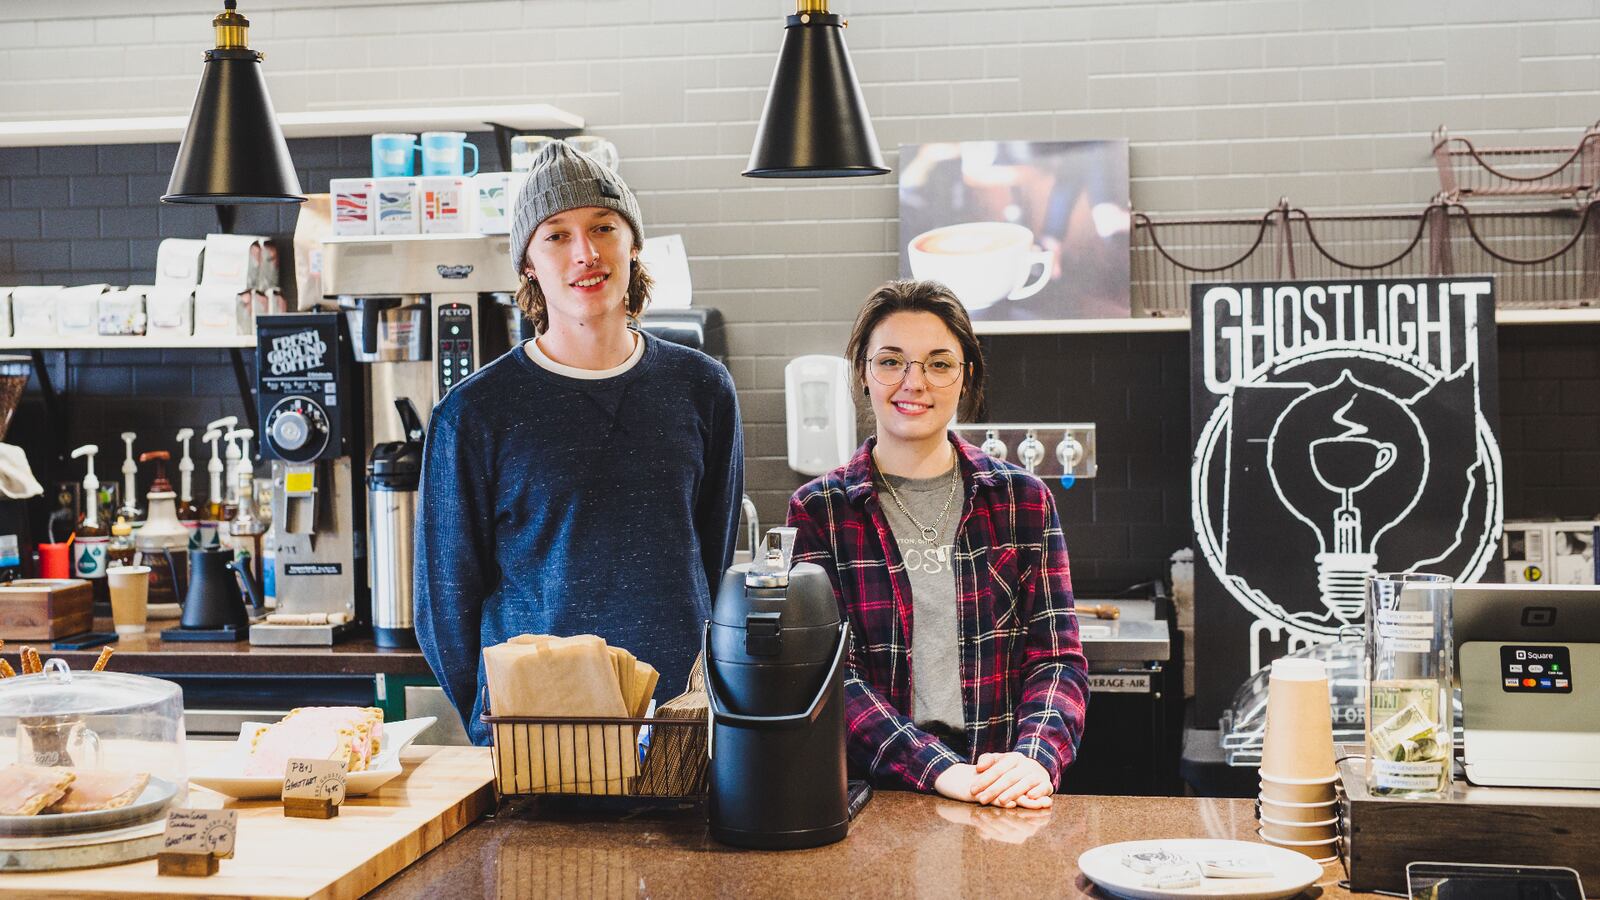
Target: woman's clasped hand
1006 780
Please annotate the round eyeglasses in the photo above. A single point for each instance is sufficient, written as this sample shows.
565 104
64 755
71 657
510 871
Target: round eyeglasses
940 369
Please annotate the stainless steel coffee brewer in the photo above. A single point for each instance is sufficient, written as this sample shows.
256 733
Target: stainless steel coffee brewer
775 656
424 312
309 402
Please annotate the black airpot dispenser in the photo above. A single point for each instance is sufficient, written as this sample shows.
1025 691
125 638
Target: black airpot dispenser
775 658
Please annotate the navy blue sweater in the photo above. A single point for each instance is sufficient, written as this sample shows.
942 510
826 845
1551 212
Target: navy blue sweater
556 505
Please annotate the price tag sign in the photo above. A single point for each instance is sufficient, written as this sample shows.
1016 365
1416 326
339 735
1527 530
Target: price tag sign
201 831
314 779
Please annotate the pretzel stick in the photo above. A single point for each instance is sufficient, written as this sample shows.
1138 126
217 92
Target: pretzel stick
6 671
105 657
30 661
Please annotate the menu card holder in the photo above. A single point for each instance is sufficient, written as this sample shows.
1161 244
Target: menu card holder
195 839
313 788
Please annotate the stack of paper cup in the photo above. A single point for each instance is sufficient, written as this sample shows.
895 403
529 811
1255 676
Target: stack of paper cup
1298 807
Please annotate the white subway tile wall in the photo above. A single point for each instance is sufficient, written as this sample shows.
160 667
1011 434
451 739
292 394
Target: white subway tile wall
1230 105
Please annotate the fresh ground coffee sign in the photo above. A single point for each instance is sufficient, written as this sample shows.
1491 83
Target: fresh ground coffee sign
1341 428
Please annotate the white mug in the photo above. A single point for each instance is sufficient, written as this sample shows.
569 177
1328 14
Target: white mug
982 262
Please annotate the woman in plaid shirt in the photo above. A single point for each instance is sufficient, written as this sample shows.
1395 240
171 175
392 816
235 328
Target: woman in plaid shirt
966 675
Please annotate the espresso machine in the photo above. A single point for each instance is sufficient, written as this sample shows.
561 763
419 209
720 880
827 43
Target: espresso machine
424 312
312 432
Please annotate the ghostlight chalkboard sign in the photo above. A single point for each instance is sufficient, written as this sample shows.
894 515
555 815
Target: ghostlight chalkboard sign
1340 428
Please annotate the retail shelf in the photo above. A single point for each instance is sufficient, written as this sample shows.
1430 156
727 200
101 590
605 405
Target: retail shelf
1181 323
133 342
319 123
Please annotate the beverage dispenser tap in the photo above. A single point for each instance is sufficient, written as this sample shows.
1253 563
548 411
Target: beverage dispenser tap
1030 452
993 446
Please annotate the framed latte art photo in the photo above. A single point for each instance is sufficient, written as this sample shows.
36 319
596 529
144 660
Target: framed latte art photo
1030 235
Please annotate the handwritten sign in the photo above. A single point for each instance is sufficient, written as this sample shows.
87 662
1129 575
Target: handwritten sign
201 831
314 779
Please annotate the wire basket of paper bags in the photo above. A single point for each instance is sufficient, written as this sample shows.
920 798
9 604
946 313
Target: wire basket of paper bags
567 717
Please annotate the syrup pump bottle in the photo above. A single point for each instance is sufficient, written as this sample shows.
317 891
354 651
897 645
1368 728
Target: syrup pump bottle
129 510
188 513
247 529
163 541
91 542
230 474
212 519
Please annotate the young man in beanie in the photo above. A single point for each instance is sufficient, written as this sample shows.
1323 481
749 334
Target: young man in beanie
587 482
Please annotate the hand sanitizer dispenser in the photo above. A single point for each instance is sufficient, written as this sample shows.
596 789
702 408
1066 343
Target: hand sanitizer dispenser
821 413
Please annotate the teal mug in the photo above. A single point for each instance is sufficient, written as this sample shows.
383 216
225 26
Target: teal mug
392 155
443 152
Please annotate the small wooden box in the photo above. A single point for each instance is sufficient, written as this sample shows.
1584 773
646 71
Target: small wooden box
1509 826
42 609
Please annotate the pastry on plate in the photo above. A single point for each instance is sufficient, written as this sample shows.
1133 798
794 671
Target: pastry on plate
90 791
25 790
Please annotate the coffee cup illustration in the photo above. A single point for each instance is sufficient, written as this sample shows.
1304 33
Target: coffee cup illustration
982 262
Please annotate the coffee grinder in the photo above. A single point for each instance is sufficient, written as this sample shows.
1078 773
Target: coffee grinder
309 402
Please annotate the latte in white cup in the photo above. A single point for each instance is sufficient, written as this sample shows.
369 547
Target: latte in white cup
982 262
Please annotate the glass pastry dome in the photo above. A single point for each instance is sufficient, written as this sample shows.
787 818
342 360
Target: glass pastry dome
94 721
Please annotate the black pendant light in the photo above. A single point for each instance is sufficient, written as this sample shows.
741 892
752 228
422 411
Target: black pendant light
815 124
233 151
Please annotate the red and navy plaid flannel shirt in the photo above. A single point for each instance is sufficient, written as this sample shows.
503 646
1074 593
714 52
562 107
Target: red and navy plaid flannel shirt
1024 679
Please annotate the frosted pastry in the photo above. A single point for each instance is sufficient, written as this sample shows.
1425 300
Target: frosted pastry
352 734
90 791
25 790
1170 878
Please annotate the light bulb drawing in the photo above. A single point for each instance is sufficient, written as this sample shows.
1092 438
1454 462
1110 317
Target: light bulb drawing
1347 484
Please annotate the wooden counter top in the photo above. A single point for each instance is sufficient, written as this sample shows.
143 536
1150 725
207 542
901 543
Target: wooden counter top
442 790
147 654
902 845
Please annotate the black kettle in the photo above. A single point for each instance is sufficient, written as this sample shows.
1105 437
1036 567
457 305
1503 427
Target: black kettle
775 658
213 607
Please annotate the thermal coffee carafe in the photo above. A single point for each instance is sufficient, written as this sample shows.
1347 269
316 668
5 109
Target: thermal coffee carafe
775 655
393 473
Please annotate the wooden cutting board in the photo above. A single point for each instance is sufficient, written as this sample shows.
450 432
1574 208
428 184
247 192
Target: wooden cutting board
443 790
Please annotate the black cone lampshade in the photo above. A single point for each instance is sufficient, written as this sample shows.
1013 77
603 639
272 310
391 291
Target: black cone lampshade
815 124
233 151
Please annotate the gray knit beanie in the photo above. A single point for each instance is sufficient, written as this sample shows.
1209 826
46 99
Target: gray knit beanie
560 179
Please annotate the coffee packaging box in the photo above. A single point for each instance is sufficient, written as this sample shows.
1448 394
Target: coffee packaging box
354 206
5 312
179 261
122 312
33 311
78 310
169 311
1524 548
444 204
220 310
399 206
236 261
491 202
1572 552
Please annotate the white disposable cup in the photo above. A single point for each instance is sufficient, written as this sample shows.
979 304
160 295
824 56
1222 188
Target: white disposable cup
130 597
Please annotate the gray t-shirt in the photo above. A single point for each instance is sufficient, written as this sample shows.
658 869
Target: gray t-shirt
935 640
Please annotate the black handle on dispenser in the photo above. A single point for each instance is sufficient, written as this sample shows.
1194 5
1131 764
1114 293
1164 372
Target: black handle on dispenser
410 422
370 307
794 720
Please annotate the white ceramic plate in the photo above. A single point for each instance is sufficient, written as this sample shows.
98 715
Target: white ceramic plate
1291 872
225 777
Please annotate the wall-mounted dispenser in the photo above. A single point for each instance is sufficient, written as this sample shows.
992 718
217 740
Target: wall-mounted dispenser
1065 450
821 413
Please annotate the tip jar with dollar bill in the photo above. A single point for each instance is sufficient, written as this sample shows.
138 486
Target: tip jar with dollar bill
1410 717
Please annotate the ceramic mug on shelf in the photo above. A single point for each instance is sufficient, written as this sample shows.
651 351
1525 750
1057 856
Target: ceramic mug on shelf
443 153
393 155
